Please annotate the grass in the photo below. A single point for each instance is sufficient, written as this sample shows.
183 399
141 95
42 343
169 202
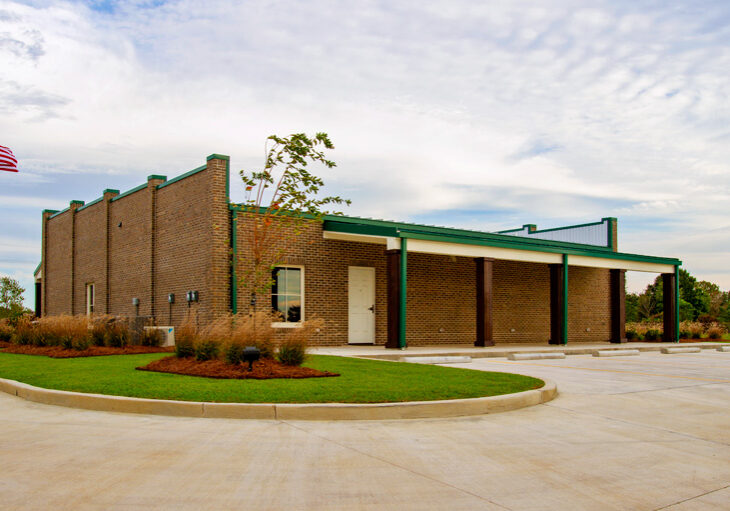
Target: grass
361 381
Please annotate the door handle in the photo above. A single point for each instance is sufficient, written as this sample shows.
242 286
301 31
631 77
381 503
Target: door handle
371 308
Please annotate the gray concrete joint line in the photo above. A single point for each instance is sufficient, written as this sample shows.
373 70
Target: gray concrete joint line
666 388
691 498
401 467
647 426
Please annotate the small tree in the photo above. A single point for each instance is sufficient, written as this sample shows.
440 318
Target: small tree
11 298
280 199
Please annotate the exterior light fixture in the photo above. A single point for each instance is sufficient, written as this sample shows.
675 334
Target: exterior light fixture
251 354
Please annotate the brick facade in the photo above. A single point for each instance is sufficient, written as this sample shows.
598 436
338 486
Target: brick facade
174 237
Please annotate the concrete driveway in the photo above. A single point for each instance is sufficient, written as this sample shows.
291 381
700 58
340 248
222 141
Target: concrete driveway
637 433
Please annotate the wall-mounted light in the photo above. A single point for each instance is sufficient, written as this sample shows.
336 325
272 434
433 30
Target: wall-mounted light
119 225
135 302
171 298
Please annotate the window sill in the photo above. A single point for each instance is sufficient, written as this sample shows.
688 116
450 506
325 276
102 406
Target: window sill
286 325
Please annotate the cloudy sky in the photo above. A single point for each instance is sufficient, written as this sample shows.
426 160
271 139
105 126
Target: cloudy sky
485 115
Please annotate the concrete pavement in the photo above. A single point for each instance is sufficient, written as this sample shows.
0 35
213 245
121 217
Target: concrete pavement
636 433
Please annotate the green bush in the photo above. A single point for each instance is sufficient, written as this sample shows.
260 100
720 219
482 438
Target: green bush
206 350
81 343
184 348
685 334
652 335
696 334
233 353
116 335
151 337
631 335
266 347
6 331
292 352
714 332
98 331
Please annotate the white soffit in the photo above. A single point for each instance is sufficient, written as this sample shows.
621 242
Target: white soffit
510 254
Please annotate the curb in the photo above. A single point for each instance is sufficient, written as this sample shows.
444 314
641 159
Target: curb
284 411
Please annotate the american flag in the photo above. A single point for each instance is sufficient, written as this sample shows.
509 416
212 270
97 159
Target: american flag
7 160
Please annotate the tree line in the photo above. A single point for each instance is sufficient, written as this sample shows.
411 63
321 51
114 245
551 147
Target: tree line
698 301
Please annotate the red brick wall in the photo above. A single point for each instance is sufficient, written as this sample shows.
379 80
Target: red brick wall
130 253
521 302
58 267
90 257
589 304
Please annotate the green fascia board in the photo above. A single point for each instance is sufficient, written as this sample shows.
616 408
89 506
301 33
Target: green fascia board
486 239
76 201
129 192
182 176
110 190
37 268
216 156
51 211
59 213
519 229
156 176
96 201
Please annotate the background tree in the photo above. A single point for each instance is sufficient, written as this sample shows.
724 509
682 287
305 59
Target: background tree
11 298
280 200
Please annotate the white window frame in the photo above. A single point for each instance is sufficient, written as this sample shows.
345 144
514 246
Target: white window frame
288 324
90 298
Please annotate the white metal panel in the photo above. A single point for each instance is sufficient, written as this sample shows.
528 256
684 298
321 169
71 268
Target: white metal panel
619 264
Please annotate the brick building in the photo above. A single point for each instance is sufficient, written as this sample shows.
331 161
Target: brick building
145 251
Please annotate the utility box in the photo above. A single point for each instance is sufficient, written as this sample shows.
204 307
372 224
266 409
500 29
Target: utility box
167 332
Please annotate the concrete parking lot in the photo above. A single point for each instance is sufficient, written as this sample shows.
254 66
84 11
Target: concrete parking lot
644 432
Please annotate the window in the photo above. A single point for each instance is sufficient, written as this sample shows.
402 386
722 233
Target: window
287 293
89 299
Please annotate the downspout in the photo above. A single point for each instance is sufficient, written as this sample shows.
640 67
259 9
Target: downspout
402 300
234 261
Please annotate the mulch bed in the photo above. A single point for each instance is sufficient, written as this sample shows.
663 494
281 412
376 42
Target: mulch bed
93 351
264 369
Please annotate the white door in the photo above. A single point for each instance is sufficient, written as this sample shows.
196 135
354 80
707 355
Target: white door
361 305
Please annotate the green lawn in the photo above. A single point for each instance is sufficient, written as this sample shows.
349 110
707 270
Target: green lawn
361 381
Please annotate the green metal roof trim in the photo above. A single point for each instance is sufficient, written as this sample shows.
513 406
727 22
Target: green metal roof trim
96 201
182 176
58 213
129 192
372 227
37 268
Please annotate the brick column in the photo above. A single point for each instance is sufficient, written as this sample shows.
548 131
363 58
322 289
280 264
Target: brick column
618 306
218 280
73 206
153 182
484 267
108 195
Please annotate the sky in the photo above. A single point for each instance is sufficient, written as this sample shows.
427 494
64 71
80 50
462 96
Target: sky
482 115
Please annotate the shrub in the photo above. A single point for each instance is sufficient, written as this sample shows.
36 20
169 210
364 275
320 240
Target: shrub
206 349
151 337
233 353
185 338
6 331
81 343
98 331
61 330
254 330
293 350
631 335
652 334
24 332
116 334
714 333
